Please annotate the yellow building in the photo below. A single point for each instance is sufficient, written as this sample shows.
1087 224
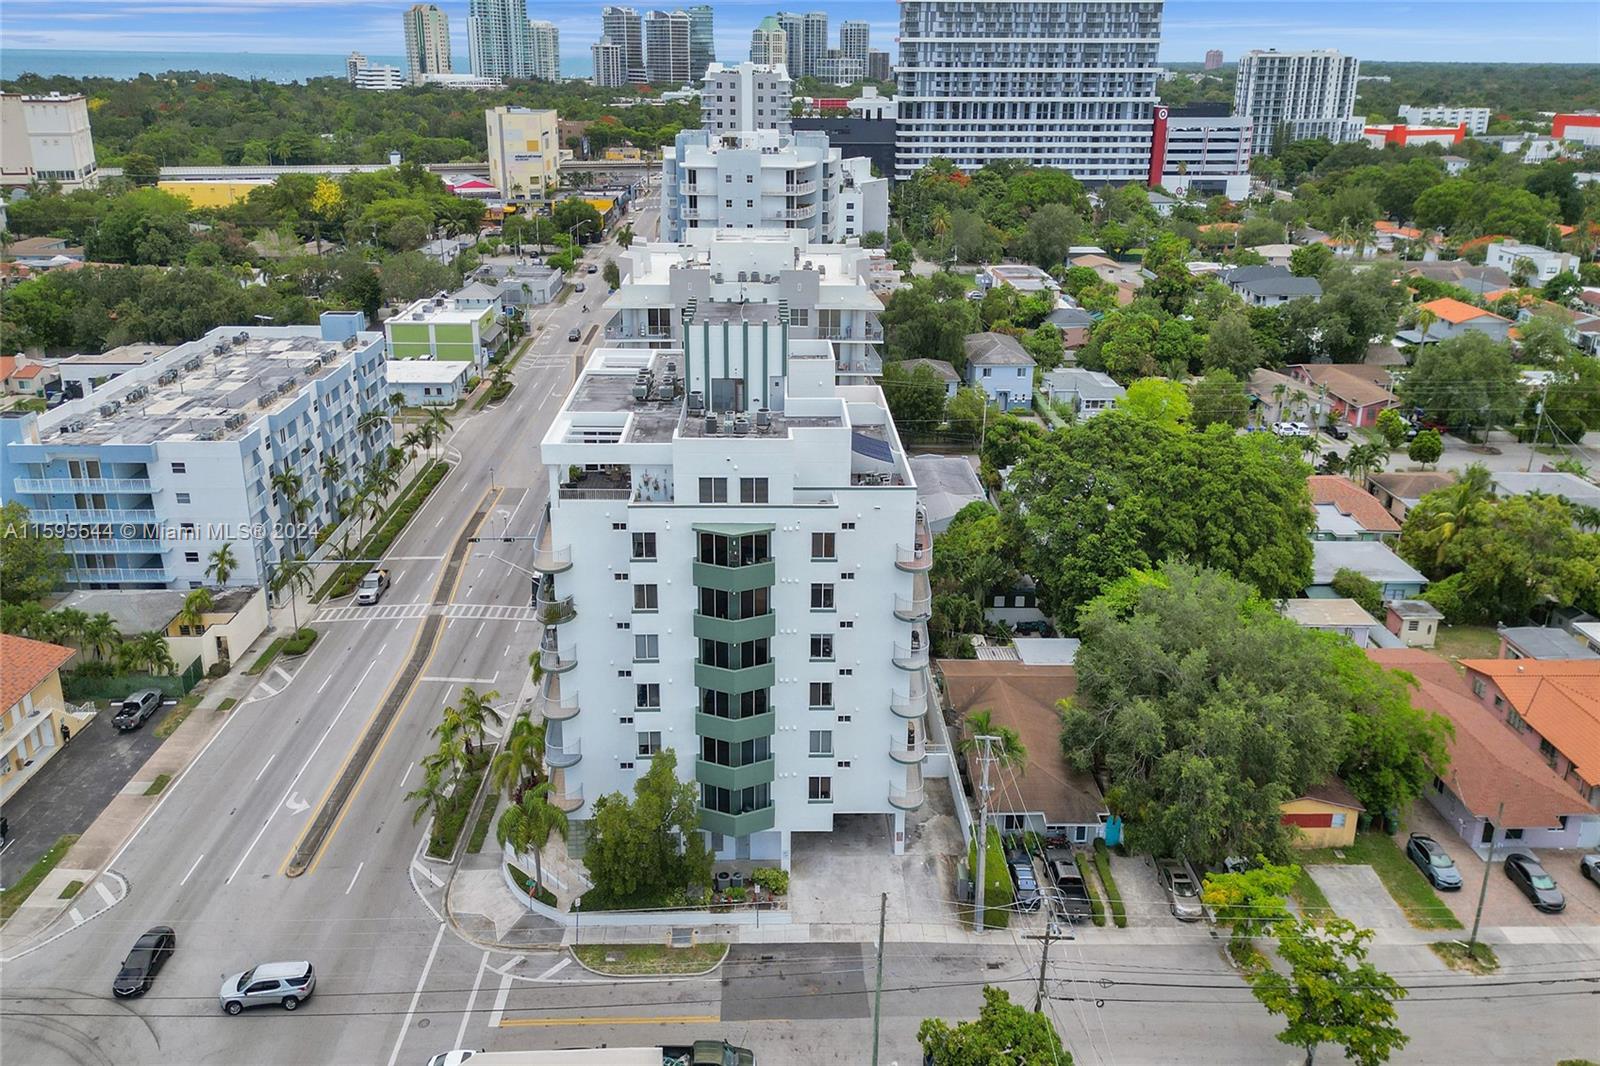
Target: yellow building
30 692
210 193
524 151
1326 816
622 153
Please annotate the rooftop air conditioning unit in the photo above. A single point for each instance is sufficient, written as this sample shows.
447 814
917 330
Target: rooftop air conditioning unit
195 363
697 403
741 425
167 377
136 394
75 426
763 419
219 348
241 337
711 425
235 420
109 409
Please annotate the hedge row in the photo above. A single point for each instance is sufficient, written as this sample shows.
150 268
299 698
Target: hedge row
997 892
301 642
1096 908
1102 863
347 577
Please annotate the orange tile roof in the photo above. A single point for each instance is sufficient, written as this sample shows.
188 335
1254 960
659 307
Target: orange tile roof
8 366
24 663
32 370
1383 225
1490 766
1455 312
1349 499
1558 697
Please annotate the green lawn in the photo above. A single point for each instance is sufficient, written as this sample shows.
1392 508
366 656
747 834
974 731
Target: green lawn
1308 896
1467 642
261 664
1421 904
159 784
1482 960
13 897
639 960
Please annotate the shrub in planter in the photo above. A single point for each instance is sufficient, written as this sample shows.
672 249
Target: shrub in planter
771 878
301 642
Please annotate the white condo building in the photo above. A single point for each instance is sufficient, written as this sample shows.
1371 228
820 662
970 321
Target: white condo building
742 281
622 26
855 39
1476 118
380 77
1307 94
544 51
427 41
747 96
174 458
610 65
769 44
46 138
666 47
497 38
1207 155
735 568
1057 83
760 179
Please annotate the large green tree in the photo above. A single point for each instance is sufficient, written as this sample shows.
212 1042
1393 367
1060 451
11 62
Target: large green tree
32 563
921 321
642 851
916 398
1466 381
1004 1032
1219 397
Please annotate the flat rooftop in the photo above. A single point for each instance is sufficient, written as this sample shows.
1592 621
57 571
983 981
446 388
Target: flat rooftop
219 385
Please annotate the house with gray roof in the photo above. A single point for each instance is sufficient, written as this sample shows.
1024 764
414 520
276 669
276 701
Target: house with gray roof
1269 286
1570 487
997 364
1087 392
946 372
1074 324
1371 559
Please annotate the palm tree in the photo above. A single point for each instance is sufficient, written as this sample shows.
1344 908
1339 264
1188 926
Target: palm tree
431 794
939 221
1441 515
195 605
439 421
474 713
100 634
1007 749
222 564
293 576
1364 459
160 656
70 623
332 472
517 764
1425 317
527 826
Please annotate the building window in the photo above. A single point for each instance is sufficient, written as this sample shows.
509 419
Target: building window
646 647
821 694
1515 720
1548 750
647 697
752 490
1513 834
821 742
179 468
181 497
821 596
644 546
823 546
1338 820
713 490
822 647
646 598
1478 686
649 744
820 789
191 557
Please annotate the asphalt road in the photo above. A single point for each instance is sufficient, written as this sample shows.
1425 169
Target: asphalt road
209 862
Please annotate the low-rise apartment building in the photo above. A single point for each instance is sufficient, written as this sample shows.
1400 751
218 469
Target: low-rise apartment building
735 568
1553 706
1476 119
446 328
1540 264
175 458
738 281
32 709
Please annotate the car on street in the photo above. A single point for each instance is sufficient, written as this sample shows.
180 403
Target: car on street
1338 430
1434 862
578 287
1589 867
574 334
374 583
592 269
150 953
974 294
137 709
285 983
1027 886
1532 881
1291 429
1182 889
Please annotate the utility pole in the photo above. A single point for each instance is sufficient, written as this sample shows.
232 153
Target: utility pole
984 757
877 990
1533 445
1472 942
1044 961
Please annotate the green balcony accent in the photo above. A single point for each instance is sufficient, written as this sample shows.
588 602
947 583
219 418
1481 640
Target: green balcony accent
734 529
735 630
734 682
737 825
735 578
735 730
734 777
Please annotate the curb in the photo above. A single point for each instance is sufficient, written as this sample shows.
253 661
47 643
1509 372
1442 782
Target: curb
713 968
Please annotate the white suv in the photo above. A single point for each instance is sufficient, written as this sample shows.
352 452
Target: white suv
1291 429
288 983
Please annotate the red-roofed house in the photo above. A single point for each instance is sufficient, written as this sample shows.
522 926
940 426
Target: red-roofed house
1452 318
1345 511
1352 392
1554 706
1582 128
30 693
22 376
1485 771
1403 135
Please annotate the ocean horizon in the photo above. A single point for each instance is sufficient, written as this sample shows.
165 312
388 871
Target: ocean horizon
264 66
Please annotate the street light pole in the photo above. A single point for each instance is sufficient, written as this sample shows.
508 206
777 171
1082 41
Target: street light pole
1483 890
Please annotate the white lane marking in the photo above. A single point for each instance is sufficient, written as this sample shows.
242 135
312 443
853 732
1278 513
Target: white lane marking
429 874
290 790
557 968
508 651
405 1025
382 648
105 893
464 680
77 919
466 1015
439 523
500 998
409 768
192 869
324 684
476 633
359 865
266 764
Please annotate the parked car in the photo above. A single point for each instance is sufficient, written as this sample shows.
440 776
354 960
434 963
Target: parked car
592 269
287 983
1182 888
1589 866
1338 430
1027 886
1071 893
1436 865
974 294
1291 429
574 334
577 286
1532 881
137 709
150 953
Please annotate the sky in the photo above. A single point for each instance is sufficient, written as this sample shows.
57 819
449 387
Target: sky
1566 31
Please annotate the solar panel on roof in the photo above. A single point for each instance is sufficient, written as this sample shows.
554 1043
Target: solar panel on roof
871 447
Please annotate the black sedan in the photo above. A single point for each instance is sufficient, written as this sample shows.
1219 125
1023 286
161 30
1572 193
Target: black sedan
1437 866
150 953
1540 888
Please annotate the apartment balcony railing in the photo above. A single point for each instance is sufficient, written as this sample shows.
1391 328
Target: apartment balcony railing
102 547
912 658
913 608
548 556
576 493
911 796
555 610
552 705
558 660
904 749
85 575
567 797
563 755
74 516
797 214
914 558
800 188
85 484
913 704
835 333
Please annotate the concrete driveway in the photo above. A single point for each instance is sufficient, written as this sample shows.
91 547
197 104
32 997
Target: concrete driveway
1357 893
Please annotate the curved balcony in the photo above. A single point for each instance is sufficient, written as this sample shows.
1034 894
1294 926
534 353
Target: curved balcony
912 658
910 705
564 755
911 796
556 610
567 799
797 214
918 557
548 556
800 188
908 745
551 704
913 608
558 660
